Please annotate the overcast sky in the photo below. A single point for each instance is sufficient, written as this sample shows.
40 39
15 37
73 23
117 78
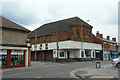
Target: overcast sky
102 14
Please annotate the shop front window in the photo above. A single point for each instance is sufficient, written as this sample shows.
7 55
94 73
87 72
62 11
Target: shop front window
17 58
88 53
62 54
20 58
3 57
82 54
14 58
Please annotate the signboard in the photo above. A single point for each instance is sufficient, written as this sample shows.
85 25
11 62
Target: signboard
54 53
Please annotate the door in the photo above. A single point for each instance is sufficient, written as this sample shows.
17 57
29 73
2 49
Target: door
68 54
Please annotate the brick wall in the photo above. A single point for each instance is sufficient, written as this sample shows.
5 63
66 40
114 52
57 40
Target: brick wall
86 33
64 35
10 36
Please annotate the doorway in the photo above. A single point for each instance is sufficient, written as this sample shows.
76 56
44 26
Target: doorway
68 54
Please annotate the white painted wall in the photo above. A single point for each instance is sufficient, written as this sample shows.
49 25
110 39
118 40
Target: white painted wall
74 53
69 45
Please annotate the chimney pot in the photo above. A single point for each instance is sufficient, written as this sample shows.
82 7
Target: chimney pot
114 39
97 34
108 37
101 35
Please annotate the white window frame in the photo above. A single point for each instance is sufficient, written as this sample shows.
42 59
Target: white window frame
93 53
81 53
64 54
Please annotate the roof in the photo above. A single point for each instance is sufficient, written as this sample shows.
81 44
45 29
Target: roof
61 25
5 23
103 39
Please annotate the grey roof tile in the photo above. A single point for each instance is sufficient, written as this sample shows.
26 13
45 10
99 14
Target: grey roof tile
61 25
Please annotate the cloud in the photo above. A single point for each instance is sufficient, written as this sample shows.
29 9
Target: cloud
34 13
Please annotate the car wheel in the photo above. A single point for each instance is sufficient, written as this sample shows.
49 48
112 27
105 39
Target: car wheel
118 65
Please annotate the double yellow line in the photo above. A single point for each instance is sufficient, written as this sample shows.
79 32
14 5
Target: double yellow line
72 74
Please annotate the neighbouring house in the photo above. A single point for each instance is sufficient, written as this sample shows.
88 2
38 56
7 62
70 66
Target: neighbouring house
68 39
109 47
14 51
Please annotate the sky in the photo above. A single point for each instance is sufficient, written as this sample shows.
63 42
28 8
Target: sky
102 14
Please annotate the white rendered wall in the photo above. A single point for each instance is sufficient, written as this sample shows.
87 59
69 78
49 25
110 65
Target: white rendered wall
68 45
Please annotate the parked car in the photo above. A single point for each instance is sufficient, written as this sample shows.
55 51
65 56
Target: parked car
116 62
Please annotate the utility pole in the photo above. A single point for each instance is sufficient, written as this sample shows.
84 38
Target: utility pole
57 44
82 41
35 46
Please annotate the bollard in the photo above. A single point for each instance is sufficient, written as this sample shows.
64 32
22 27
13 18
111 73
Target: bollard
98 64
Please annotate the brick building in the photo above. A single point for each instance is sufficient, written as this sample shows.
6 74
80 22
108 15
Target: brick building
74 37
109 46
14 51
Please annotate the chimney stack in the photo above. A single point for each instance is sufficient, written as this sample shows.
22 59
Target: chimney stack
114 39
101 35
97 34
108 37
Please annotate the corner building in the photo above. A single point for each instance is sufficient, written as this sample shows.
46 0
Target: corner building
72 38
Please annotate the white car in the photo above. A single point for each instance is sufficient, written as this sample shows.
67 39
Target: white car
116 62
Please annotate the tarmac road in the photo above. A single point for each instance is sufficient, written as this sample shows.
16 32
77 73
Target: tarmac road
48 70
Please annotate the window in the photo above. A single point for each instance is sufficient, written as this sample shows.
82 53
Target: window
68 38
77 34
86 32
82 54
88 53
83 32
3 57
17 57
62 54
93 54
20 58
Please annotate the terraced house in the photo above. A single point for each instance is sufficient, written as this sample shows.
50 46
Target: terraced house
109 46
14 51
67 39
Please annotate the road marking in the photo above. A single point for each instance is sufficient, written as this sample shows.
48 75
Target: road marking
72 74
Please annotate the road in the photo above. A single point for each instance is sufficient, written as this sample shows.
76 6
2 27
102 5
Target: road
48 70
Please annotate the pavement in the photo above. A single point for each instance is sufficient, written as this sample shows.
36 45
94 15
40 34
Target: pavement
106 72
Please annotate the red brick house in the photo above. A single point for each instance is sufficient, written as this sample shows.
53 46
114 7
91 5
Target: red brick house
75 40
14 51
109 46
